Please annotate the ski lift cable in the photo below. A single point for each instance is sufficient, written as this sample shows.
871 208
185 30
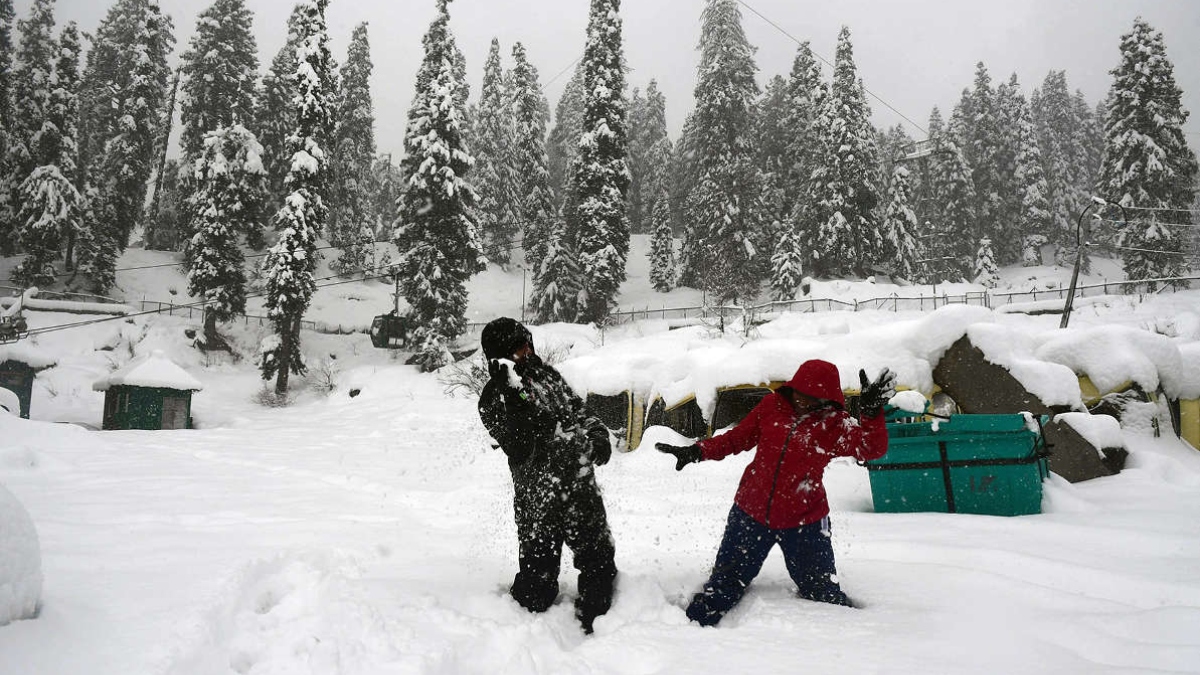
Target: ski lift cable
779 28
1117 247
1161 208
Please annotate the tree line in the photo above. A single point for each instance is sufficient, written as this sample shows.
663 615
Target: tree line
763 187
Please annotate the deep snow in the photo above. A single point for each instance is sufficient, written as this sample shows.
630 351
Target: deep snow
373 534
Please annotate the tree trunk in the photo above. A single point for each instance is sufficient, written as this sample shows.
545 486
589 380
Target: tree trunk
287 343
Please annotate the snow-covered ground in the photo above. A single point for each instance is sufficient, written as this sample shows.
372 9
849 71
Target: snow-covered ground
373 534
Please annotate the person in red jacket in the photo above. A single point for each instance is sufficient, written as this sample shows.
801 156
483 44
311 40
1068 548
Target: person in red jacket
798 430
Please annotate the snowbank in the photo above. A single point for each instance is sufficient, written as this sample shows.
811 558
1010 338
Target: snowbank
20 560
28 354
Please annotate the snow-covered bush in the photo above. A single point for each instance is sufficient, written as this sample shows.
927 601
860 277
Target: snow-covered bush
9 402
20 561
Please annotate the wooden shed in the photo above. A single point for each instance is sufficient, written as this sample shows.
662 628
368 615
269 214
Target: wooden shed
149 393
19 365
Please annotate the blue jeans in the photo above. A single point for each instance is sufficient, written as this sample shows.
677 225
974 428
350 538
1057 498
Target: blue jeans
807 551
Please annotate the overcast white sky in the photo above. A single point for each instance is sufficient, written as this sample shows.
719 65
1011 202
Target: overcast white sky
913 54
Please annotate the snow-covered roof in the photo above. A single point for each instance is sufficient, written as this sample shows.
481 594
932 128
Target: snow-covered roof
28 354
154 370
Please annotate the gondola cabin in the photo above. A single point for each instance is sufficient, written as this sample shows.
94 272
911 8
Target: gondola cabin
150 393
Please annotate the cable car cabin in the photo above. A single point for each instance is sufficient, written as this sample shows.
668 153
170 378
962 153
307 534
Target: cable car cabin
390 331
12 328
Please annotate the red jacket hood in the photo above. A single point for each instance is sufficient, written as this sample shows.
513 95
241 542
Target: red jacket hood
819 379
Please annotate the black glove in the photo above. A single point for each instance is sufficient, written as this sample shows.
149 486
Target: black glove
601 446
683 455
499 371
876 394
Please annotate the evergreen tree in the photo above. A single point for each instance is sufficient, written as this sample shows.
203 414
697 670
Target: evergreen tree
721 206
6 75
291 262
1063 160
807 94
1011 108
50 204
536 208
662 244
787 263
563 145
1147 162
229 183
900 227
600 175
164 233
1032 213
649 168
350 216
951 209
125 85
32 72
976 131
772 141
986 273
494 176
557 295
844 186
220 70
219 79
276 116
436 234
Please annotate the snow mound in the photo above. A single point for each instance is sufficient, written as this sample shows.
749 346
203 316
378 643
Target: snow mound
20 561
9 402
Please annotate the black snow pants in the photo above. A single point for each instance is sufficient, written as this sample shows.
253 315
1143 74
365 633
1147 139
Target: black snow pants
578 520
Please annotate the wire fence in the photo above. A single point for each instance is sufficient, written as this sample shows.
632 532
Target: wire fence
898 303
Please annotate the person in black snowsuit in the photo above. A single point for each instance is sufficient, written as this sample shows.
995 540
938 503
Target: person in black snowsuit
553 446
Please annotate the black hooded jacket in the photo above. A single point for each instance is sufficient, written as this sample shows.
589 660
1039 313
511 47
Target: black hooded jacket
543 427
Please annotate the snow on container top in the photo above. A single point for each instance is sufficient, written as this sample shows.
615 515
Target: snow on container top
154 371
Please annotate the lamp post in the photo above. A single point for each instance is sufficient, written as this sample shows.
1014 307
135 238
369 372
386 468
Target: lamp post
1080 243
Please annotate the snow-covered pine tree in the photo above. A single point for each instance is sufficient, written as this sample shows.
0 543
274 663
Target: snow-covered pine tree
50 209
1008 242
126 82
900 227
436 234
32 71
229 182
845 183
7 217
807 93
636 160
276 115
975 128
291 262
219 80
1063 159
772 143
1147 162
950 195
1032 211
220 74
600 175
649 167
169 214
49 205
662 243
986 273
536 199
556 295
893 143
351 164
787 263
684 178
721 206
494 176
563 145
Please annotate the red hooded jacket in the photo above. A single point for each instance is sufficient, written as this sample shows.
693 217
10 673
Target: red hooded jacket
783 485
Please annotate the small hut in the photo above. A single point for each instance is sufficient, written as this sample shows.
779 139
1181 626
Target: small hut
149 393
19 364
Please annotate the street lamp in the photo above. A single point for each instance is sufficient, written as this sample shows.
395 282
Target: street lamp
1080 243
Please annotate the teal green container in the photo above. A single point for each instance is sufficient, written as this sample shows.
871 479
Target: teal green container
982 464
